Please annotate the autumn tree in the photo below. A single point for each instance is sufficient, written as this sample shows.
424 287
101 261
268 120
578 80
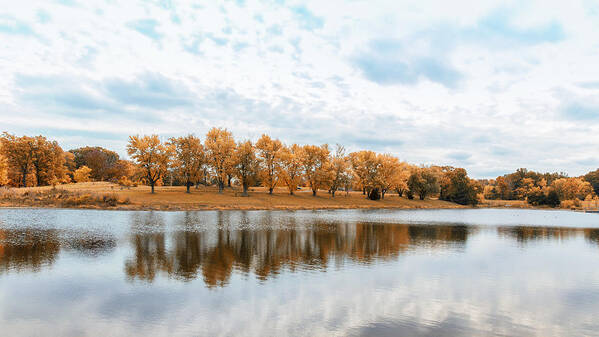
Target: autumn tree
19 154
101 161
291 166
366 165
340 169
47 161
389 173
189 158
316 165
457 187
593 178
423 182
269 152
151 155
400 179
3 168
245 165
220 147
572 188
82 174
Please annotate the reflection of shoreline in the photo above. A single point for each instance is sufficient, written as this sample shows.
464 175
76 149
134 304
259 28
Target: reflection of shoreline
526 234
32 249
216 253
27 250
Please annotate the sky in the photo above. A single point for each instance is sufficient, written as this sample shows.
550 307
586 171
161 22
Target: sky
491 86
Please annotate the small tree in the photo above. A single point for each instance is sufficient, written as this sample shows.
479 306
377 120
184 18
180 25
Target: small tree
151 155
246 165
188 159
220 147
317 168
340 169
422 182
291 166
81 175
457 187
269 151
19 154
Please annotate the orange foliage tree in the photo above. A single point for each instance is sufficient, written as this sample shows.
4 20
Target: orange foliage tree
151 155
220 147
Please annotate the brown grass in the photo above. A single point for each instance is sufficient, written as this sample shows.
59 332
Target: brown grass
58 197
205 198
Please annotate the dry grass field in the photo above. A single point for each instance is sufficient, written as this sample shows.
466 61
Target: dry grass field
94 195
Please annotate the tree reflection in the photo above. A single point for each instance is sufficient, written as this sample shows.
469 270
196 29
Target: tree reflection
266 250
27 250
592 235
524 234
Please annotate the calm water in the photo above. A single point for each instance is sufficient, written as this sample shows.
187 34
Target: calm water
260 273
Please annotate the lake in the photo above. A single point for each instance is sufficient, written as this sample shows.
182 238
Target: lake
469 272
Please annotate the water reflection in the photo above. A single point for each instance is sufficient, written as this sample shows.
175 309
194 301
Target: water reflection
265 251
297 273
31 249
27 250
525 234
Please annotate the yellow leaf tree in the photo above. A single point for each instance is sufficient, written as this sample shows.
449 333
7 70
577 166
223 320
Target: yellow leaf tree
245 165
189 159
366 167
317 167
220 147
19 154
3 168
269 151
340 170
82 174
151 155
291 166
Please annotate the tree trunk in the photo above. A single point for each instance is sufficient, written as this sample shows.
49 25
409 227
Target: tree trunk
422 196
291 192
363 190
38 177
383 191
152 185
229 180
189 186
24 181
221 186
332 193
270 189
313 193
245 190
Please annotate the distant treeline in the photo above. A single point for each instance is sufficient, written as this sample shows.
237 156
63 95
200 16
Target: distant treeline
221 161
550 189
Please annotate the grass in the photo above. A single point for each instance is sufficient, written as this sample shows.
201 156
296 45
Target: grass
58 197
204 198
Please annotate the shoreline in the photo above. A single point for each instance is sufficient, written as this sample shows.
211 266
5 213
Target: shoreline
162 208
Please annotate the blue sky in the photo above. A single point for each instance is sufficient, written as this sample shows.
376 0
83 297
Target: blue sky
489 86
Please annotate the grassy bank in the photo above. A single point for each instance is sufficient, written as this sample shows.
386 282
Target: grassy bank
101 195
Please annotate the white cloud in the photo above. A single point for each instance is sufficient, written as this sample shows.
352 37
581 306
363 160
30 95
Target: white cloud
475 78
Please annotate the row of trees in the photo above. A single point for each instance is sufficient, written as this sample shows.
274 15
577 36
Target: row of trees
542 188
271 163
218 159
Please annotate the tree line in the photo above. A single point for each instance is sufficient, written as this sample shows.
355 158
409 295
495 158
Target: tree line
551 189
220 160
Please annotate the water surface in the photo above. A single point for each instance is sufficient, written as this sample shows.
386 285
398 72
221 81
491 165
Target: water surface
480 272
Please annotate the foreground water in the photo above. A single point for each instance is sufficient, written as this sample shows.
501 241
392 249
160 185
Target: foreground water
266 273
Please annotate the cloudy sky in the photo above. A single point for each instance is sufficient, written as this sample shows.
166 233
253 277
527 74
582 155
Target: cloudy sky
490 86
